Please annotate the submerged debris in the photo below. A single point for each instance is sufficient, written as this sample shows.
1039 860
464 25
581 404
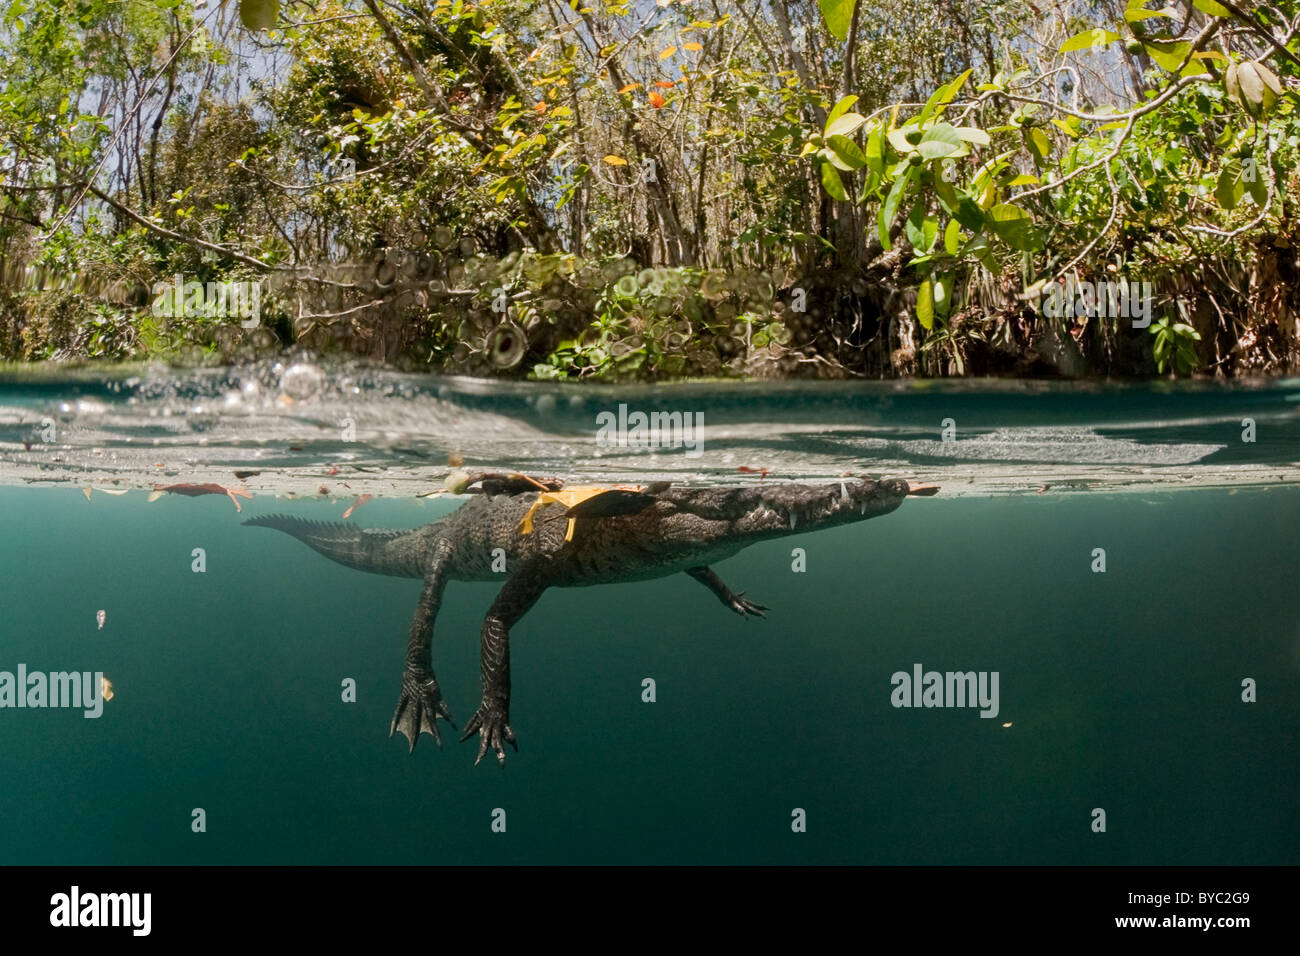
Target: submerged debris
193 491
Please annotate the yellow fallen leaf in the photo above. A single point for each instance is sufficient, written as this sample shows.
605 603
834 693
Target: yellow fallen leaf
616 160
665 54
630 87
693 47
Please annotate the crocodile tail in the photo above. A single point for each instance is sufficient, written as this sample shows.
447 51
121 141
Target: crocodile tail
379 551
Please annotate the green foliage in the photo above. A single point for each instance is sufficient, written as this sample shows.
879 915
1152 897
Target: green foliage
1173 348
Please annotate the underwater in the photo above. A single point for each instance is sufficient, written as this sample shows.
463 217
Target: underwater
949 623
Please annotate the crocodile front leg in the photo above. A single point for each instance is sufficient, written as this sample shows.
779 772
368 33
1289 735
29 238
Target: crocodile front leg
421 703
492 720
706 576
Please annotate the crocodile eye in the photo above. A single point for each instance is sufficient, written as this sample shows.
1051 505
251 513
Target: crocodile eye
895 487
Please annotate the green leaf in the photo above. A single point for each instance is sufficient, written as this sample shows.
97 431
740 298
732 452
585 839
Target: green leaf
1212 8
838 14
922 230
1040 144
1168 56
970 134
967 211
845 153
925 305
905 138
1255 184
1135 13
940 142
1014 226
259 14
840 109
1089 40
875 151
952 237
1228 190
832 183
889 209
942 293
844 125
942 97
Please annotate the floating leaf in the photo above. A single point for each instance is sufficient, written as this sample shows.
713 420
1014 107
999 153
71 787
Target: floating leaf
656 100
693 47
665 54
630 87
616 160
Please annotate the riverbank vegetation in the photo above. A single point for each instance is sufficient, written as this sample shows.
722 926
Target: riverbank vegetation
655 188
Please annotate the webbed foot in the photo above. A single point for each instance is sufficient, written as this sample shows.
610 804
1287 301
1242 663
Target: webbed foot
419 708
490 723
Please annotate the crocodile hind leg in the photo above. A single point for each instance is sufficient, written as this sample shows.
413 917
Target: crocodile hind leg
706 576
421 703
492 719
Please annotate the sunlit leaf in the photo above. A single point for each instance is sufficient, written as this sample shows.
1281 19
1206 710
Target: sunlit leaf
838 15
259 14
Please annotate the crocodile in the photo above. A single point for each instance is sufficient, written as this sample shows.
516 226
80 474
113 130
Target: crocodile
629 534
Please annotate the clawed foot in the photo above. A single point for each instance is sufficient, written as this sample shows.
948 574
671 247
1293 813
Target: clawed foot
745 608
419 708
490 722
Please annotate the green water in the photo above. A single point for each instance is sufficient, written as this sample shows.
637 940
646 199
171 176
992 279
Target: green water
1123 690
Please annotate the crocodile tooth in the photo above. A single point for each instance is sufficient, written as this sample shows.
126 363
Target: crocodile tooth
792 520
844 491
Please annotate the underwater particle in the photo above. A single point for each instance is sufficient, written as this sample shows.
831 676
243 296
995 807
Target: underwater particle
322 489
455 459
100 618
112 491
333 471
155 495
105 688
241 475
1007 724
361 500
86 492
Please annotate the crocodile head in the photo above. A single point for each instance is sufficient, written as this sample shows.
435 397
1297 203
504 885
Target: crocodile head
773 510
